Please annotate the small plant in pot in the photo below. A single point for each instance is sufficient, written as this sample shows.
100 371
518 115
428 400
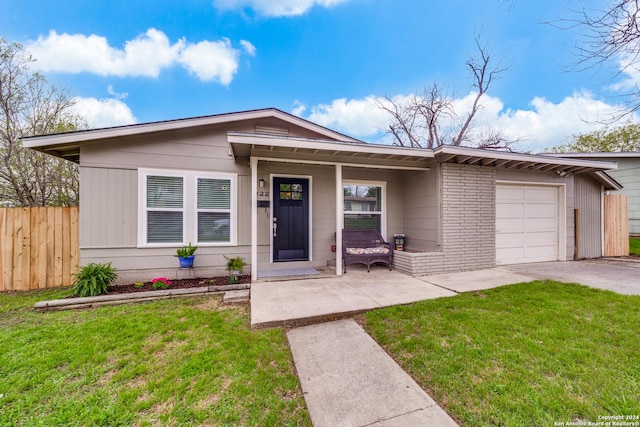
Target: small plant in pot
235 266
186 255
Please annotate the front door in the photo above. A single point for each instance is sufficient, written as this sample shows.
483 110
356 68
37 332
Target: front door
290 226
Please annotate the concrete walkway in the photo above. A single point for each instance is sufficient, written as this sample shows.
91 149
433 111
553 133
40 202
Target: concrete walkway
479 280
298 302
349 380
295 302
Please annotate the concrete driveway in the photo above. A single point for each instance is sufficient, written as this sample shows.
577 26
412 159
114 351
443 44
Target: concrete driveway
621 275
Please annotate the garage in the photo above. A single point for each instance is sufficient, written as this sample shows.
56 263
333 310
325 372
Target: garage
527 223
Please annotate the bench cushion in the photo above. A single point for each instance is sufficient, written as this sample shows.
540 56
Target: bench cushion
367 251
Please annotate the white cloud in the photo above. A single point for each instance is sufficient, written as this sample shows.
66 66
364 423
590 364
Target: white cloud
548 124
211 60
146 55
117 95
100 113
249 48
545 124
274 8
298 108
360 117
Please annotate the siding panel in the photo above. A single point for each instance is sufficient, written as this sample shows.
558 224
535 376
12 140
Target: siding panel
108 207
589 222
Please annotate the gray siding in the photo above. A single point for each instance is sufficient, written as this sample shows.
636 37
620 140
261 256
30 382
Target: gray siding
628 174
421 210
323 205
108 207
109 199
468 224
588 195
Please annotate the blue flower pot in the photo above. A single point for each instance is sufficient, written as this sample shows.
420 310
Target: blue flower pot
186 262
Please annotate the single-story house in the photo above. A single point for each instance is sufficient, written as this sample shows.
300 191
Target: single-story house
627 174
277 189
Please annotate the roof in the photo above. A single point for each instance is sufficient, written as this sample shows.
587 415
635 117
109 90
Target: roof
316 151
67 144
599 155
520 161
330 147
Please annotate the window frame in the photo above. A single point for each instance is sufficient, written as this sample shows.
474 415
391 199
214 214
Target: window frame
383 202
189 207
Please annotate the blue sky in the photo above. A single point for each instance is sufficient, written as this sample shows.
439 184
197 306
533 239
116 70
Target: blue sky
325 60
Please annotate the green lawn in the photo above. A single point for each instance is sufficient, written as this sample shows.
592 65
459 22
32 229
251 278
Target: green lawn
173 362
634 246
527 354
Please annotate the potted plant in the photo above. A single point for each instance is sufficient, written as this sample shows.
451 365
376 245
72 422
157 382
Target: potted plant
186 255
235 266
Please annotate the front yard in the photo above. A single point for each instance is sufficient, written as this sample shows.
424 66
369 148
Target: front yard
185 361
634 246
529 354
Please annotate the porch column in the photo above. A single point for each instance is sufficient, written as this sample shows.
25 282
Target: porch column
254 218
339 219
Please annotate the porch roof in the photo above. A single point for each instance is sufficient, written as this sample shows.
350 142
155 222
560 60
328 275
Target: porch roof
320 151
529 162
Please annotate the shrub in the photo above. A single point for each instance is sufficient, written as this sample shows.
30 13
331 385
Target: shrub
234 266
94 279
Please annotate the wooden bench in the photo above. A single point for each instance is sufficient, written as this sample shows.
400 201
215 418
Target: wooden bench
365 247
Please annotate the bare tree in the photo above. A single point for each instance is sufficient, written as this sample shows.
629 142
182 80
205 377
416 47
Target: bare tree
610 38
429 120
30 106
417 122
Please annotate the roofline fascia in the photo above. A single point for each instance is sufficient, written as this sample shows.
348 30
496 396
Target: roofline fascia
609 180
539 158
176 124
620 154
319 144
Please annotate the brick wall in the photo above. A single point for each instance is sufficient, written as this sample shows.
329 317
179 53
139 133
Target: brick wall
468 224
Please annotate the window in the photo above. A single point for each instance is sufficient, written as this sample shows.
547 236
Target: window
165 209
364 206
214 210
290 191
179 207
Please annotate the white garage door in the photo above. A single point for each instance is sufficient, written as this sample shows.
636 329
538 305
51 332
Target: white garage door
527 225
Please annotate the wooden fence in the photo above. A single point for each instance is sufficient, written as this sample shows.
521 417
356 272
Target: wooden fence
39 247
616 225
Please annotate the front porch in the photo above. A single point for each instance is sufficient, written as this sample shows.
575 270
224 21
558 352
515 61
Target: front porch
309 300
304 192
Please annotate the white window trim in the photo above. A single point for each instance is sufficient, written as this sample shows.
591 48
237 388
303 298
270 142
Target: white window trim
383 196
190 208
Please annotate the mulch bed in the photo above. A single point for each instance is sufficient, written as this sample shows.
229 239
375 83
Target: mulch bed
178 284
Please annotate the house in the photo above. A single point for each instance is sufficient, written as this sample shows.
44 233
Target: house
275 189
627 174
